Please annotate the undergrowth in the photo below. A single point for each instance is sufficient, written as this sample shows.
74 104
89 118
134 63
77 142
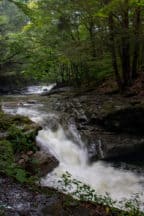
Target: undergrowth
84 192
19 138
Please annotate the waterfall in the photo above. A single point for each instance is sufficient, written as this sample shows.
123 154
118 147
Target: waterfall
73 158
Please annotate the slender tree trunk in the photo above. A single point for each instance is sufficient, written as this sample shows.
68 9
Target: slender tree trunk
137 24
62 73
141 56
92 38
113 52
125 59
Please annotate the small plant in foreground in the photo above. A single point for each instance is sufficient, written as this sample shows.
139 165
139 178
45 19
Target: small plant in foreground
84 192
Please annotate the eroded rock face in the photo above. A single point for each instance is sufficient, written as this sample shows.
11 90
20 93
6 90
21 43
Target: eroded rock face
115 135
19 200
121 134
129 120
109 127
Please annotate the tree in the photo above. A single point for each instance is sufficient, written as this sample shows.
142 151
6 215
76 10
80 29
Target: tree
125 27
80 40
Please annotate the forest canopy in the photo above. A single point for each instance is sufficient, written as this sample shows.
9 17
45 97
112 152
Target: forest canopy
72 41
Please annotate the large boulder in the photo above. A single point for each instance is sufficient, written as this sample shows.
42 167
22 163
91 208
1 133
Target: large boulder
119 134
109 129
129 120
46 162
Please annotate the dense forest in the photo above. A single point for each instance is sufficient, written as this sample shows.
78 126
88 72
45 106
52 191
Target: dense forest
72 41
72 107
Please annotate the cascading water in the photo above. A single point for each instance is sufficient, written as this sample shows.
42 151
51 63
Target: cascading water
73 158
39 89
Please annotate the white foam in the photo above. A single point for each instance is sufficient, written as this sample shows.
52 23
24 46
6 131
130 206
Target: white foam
39 89
73 159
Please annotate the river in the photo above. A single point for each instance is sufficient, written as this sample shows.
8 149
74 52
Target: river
71 152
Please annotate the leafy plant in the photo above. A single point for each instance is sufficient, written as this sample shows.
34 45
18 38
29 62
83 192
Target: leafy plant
21 141
2 212
84 192
6 155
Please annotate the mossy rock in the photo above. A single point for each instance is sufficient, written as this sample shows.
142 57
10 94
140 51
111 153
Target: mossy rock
17 137
5 121
19 131
22 141
21 120
6 155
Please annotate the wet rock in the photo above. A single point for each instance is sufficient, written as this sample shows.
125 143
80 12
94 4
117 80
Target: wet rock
19 200
129 120
25 157
29 153
46 162
53 209
112 128
31 101
21 162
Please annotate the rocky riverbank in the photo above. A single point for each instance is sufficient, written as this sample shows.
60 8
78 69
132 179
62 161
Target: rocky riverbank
111 125
103 122
23 200
21 165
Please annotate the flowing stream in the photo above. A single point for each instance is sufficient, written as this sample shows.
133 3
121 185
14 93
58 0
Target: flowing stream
73 157
38 89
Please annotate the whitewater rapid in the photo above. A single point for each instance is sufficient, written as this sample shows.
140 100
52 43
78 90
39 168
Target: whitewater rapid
39 89
73 158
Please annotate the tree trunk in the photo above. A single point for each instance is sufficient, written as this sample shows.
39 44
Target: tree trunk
137 24
125 58
92 38
113 51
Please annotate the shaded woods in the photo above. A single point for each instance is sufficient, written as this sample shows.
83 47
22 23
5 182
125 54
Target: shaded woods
72 42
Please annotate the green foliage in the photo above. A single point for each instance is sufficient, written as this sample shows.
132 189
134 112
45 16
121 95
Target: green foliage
5 121
17 172
20 137
6 155
74 41
84 192
20 175
21 134
20 140
2 211
8 165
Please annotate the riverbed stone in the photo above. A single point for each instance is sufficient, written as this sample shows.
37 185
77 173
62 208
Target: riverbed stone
46 162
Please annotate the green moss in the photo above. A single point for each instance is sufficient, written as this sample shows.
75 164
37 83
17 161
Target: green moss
20 138
2 211
6 155
20 120
5 121
21 141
